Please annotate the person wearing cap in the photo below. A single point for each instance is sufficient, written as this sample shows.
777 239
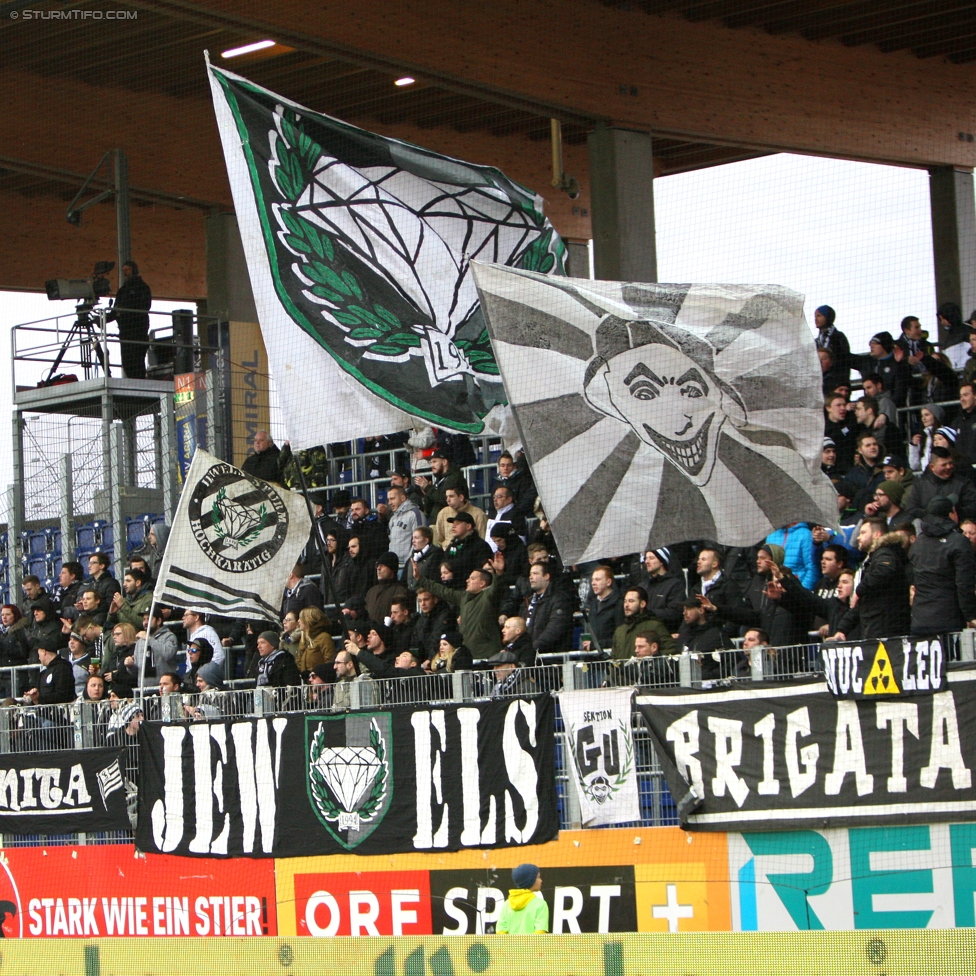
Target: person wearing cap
400 478
800 558
828 458
703 633
525 911
80 658
451 655
386 589
457 502
276 668
637 620
603 610
466 550
940 480
834 342
379 661
508 675
478 603
126 719
443 476
894 370
896 469
504 540
55 682
45 630
839 427
943 574
199 651
405 516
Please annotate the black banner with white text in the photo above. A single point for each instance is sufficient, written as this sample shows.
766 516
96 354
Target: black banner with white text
64 792
420 778
786 757
897 667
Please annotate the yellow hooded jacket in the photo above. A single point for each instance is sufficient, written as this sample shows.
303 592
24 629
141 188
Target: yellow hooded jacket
524 913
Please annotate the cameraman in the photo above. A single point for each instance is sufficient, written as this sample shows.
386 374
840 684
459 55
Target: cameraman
131 311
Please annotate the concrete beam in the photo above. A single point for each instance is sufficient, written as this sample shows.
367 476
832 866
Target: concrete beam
954 236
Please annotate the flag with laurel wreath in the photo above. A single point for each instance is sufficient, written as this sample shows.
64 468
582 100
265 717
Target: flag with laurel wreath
359 248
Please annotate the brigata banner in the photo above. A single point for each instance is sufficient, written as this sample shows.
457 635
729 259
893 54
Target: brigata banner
442 777
62 792
895 666
796 756
600 741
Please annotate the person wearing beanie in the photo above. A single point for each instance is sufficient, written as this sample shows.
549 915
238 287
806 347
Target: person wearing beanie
953 334
889 363
276 667
886 503
830 338
525 911
664 584
943 573
210 678
380 596
799 554
451 655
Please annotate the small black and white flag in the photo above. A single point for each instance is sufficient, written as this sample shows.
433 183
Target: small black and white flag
109 780
235 539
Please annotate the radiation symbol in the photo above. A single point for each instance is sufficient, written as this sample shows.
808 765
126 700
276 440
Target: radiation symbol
881 678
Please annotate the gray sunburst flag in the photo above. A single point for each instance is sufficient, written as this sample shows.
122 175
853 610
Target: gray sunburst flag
657 413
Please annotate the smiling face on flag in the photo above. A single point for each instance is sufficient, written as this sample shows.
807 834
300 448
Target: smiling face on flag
654 413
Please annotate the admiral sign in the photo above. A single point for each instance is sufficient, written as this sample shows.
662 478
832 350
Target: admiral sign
375 782
796 756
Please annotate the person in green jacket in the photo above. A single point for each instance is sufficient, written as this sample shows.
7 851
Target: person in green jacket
478 603
638 622
525 911
129 609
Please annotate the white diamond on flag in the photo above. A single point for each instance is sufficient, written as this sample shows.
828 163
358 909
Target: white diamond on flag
349 773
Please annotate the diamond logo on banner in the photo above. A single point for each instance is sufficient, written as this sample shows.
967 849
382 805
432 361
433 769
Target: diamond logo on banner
350 775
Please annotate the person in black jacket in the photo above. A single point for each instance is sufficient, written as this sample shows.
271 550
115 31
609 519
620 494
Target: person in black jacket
131 310
516 640
69 580
550 615
101 579
435 617
944 574
665 590
299 593
46 630
794 597
603 610
265 462
355 574
702 633
829 337
513 551
518 480
277 668
466 550
882 606
14 646
451 655
55 683
940 480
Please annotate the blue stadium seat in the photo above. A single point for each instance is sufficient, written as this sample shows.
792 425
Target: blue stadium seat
82 553
53 564
108 535
136 530
37 566
85 537
52 540
36 543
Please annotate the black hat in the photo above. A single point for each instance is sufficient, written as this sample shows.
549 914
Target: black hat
828 442
341 499
884 340
81 640
324 671
390 559
453 637
200 644
688 604
356 603
894 461
462 517
398 472
382 631
845 488
503 657
941 507
439 454
69 613
361 627
500 530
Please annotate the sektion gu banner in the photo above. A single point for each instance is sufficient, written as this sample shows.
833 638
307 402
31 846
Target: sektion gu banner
600 740
62 792
408 779
795 756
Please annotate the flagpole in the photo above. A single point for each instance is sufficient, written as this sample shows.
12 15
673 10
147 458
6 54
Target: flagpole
145 653
319 543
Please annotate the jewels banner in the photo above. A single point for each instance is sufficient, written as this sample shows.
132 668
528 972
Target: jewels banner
440 777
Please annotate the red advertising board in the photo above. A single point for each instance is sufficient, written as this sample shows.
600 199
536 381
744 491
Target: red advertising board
366 903
112 891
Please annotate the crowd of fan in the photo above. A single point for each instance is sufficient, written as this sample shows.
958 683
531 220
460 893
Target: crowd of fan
428 583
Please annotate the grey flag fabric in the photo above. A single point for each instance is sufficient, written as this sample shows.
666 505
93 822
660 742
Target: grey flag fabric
657 413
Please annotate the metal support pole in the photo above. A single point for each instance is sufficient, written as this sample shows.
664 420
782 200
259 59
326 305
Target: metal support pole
689 670
569 676
67 511
167 471
115 499
122 208
756 663
15 511
967 645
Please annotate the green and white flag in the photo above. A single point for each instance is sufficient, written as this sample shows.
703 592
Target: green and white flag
234 541
359 250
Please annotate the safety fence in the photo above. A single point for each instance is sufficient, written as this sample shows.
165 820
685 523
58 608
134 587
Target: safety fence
83 724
